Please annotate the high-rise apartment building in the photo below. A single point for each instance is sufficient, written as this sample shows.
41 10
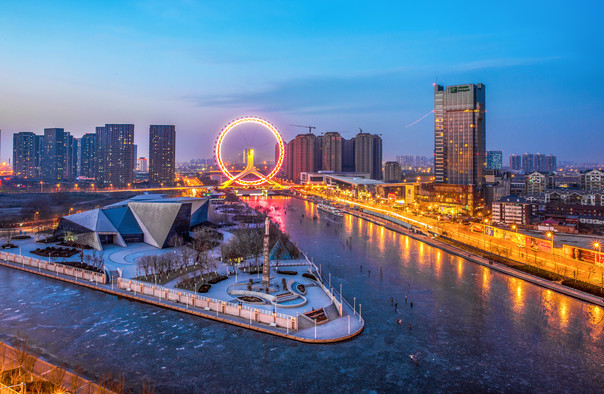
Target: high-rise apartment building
88 155
459 134
376 169
368 154
551 163
331 152
409 161
70 168
494 160
515 162
538 162
528 162
300 156
162 154
348 155
115 155
26 153
319 153
53 155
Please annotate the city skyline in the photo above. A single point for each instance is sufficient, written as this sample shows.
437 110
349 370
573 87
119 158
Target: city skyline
338 67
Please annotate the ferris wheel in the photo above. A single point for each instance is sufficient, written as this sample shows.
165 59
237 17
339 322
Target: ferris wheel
236 133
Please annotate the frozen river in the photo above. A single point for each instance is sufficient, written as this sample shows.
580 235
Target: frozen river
472 329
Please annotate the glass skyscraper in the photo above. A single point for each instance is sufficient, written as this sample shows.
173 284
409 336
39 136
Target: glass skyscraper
459 134
494 160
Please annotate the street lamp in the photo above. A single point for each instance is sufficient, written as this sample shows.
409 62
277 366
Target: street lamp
551 236
598 245
514 227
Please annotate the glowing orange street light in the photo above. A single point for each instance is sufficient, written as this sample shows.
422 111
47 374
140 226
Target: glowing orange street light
598 245
551 236
514 227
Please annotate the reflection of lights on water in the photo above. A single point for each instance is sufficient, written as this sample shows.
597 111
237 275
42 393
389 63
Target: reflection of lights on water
515 286
563 310
486 280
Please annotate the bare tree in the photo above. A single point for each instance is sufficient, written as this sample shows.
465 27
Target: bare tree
176 241
185 255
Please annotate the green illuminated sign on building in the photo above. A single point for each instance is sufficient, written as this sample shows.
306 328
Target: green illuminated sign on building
457 89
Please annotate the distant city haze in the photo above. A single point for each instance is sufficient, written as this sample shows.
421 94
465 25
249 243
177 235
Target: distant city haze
339 66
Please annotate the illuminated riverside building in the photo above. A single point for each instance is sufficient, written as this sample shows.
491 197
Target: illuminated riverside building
513 210
459 134
115 155
162 154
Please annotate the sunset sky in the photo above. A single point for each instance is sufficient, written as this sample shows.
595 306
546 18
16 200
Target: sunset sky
339 66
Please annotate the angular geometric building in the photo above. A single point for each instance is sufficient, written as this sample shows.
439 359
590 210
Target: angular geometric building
149 218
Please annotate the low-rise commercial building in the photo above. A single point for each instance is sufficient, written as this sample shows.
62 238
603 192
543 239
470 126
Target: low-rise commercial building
512 210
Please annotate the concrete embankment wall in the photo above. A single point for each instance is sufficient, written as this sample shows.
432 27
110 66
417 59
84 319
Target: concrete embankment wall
46 371
57 268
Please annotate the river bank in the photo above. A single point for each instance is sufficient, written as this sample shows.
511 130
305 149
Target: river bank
289 323
471 255
473 329
19 361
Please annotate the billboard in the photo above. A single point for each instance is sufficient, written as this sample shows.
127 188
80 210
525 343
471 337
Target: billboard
585 255
537 244
477 228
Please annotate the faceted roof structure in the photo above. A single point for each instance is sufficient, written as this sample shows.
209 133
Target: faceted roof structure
149 218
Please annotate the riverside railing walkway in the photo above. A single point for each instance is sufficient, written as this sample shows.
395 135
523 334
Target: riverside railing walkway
554 286
348 325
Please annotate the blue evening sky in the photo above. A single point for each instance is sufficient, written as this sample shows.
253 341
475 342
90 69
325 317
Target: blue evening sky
338 65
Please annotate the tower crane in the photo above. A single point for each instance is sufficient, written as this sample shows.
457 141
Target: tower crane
306 127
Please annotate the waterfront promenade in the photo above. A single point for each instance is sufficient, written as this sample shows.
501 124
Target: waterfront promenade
219 305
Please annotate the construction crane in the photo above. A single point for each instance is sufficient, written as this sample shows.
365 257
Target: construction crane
306 127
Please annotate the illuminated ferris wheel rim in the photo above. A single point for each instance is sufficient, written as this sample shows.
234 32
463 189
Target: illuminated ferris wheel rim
237 122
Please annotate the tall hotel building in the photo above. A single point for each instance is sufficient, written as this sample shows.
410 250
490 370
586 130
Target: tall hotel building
115 155
162 154
459 134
